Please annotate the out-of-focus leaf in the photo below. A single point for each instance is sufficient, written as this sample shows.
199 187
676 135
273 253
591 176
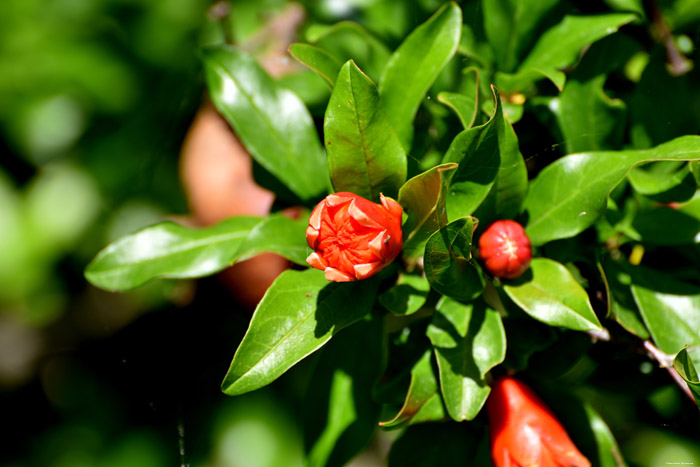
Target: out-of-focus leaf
633 6
510 27
560 47
320 61
478 153
170 250
465 104
407 296
666 226
416 64
347 40
659 109
340 415
672 316
423 200
423 402
549 293
299 313
588 119
685 367
608 451
271 121
365 156
436 444
622 306
570 194
682 13
447 261
695 169
469 340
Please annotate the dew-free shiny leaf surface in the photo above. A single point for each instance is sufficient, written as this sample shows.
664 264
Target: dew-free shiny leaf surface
365 156
317 59
416 64
447 261
170 250
570 194
549 293
407 296
469 340
423 200
271 121
299 313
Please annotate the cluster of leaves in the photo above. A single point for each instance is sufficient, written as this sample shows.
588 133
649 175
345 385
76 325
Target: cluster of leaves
615 219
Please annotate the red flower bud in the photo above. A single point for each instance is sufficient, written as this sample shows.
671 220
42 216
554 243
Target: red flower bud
505 249
352 237
524 431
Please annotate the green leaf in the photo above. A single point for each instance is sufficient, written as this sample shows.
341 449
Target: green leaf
299 313
695 169
339 413
469 340
271 121
407 296
667 226
685 367
365 156
624 309
169 250
663 182
447 261
589 120
570 194
608 451
549 293
423 402
671 315
560 47
347 40
509 189
478 152
465 104
317 59
423 200
510 27
416 64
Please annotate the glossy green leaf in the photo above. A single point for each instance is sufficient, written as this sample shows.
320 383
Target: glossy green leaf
423 200
663 182
608 451
560 47
672 316
339 413
570 194
622 306
510 27
469 340
633 6
365 156
423 402
685 367
271 121
299 313
465 104
347 40
170 250
447 261
407 296
478 151
549 293
509 189
588 119
320 61
416 64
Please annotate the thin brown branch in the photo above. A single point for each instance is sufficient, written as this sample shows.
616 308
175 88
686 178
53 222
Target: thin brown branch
666 361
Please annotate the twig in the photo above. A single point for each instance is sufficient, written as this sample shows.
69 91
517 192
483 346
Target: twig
678 64
666 361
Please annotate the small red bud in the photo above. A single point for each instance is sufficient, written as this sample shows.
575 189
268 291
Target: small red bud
505 249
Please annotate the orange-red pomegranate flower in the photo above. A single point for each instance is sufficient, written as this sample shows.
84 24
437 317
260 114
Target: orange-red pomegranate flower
352 237
524 432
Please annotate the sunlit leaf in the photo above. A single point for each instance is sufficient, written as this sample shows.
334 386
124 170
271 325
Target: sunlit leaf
320 61
299 313
685 367
170 250
365 156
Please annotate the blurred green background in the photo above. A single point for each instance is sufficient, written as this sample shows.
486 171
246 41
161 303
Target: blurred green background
95 100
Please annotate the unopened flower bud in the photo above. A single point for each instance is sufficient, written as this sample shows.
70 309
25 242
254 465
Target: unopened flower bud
505 249
352 237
